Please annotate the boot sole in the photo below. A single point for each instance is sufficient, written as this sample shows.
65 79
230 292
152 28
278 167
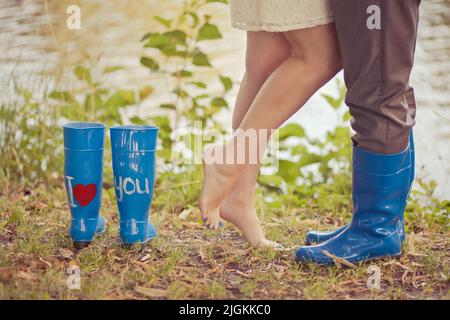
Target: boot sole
85 243
81 244
381 258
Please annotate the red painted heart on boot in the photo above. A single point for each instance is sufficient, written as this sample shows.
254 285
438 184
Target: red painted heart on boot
84 194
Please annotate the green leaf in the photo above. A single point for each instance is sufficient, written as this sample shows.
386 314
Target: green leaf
201 96
26 94
288 170
112 69
137 120
165 153
200 59
146 36
167 43
291 130
120 99
176 36
145 92
101 92
83 74
209 32
73 112
270 180
180 92
172 51
226 82
198 84
182 73
195 18
219 102
167 106
150 63
308 158
346 116
333 102
157 40
163 122
163 21
62 96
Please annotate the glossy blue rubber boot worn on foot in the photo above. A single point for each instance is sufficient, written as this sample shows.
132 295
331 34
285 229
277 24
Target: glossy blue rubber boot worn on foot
83 171
321 236
380 189
133 158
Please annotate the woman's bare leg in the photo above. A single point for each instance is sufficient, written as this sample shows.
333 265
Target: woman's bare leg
265 52
315 60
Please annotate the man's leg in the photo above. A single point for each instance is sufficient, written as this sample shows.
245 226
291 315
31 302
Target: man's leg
377 65
315 236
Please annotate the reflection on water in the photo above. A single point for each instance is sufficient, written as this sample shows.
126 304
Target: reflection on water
35 41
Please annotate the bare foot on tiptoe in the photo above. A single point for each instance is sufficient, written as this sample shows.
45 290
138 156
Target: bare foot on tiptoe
215 200
243 215
218 180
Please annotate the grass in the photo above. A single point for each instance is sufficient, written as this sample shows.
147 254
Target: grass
188 261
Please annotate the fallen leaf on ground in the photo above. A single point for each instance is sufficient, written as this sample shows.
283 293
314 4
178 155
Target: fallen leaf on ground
151 292
56 225
309 222
402 266
5 273
65 253
191 225
26 276
202 253
404 282
140 264
46 262
145 258
243 274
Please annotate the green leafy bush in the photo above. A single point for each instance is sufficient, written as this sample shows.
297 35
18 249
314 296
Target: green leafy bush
30 140
174 52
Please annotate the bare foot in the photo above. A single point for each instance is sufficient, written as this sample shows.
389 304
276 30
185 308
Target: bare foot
218 180
243 215
217 200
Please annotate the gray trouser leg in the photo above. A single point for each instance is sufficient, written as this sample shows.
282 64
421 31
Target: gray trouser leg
377 66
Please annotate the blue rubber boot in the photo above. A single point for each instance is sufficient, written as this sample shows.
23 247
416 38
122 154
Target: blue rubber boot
321 236
380 190
83 170
133 158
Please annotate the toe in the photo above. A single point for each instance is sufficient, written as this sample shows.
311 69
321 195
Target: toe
265 243
213 219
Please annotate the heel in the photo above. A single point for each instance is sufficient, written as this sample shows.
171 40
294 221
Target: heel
83 230
132 231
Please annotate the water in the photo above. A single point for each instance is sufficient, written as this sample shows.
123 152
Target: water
35 42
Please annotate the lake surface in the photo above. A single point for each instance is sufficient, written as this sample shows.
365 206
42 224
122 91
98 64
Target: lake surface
35 42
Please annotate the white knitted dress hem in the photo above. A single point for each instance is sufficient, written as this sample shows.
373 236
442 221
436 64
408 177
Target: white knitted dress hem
276 27
280 15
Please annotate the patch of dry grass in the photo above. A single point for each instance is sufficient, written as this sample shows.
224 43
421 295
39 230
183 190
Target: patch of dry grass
188 261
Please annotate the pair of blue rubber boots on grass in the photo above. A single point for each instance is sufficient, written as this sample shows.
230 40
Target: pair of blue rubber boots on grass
381 185
133 160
